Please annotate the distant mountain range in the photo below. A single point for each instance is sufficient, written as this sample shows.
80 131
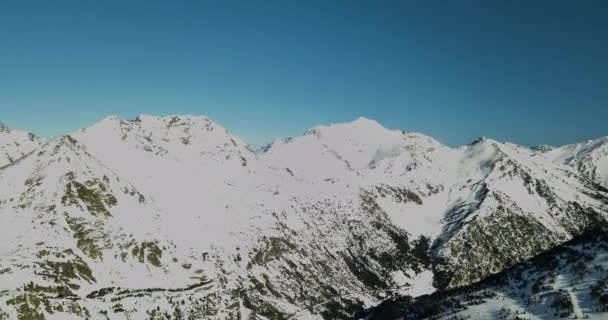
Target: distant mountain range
175 218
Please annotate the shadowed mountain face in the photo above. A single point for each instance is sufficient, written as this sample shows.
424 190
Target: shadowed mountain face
174 217
568 281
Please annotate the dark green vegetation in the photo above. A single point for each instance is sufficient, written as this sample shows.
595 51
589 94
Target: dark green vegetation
398 194
148 252
481 250
94 194
531 284
306 275
89 236
33 301
63 267
274 248
479 247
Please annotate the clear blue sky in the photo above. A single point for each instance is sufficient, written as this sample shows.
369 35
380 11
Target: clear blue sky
531 72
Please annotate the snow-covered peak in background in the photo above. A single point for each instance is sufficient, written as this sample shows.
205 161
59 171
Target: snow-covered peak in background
358 124
590 158
357 142
164 135
542 148
348 151
4 128
131 146
15 144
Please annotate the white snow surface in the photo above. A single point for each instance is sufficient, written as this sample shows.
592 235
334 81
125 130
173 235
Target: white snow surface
15 144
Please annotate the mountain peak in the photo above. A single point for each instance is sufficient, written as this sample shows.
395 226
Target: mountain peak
4 128
157 124
365 121
542 148
160 139
478 140
146 118
111 118
64 145
361 124
359 142
15 144
66 140
171 118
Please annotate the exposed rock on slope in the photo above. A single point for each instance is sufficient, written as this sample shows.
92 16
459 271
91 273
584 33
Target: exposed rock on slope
568 281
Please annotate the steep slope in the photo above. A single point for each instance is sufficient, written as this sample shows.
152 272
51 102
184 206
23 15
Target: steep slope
347 152
194 168
569 281
392 168
14 144
480 204
506 205
590 158
70 224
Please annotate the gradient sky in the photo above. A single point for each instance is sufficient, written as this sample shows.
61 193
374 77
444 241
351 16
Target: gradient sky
531 72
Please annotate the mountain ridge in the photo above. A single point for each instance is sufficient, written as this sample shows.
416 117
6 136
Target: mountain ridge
360 119
153 208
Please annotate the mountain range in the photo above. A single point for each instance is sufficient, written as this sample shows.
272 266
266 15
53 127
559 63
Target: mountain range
175 218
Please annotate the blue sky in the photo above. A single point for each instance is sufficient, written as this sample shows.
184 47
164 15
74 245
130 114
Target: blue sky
531 72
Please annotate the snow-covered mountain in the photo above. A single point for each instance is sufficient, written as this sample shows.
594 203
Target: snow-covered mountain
569 281
14 144
590 158
174 217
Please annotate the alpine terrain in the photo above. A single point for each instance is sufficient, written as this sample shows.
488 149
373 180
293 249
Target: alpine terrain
175 218
569 281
